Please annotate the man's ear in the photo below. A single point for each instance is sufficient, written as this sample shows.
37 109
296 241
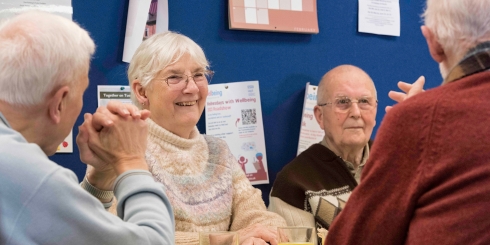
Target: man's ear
139 92
435 48
317 110
57 104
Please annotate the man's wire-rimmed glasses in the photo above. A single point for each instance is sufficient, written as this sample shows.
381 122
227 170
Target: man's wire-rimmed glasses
343 104
179 81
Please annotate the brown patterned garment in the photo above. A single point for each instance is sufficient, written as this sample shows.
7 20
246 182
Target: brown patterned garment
317 181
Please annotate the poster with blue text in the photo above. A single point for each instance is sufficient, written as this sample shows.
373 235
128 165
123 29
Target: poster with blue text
310 131
234 114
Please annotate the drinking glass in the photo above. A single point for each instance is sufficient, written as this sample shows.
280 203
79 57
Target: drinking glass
218 238
295 235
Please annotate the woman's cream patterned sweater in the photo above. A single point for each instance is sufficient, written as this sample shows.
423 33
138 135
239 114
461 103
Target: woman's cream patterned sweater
206 186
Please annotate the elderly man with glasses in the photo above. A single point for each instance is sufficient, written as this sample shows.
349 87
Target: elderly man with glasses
313 188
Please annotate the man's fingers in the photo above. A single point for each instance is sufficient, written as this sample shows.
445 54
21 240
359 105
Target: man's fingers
82 143
420 81
417 87
87 136
134 111
82 136
145 114
119 108
405 87
124 109
388 108
99 121
397 96
92 134
408 89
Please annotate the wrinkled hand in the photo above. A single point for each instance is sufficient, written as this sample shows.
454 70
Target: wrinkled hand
408 89
112 138
122 144
87 156
258 235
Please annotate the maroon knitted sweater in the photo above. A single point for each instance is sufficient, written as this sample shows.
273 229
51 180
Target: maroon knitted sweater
427 180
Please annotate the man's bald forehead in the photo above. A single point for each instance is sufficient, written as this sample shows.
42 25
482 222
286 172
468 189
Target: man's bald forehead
339 74
341 70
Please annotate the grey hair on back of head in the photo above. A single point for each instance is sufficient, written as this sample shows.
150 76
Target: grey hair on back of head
458 24
40 52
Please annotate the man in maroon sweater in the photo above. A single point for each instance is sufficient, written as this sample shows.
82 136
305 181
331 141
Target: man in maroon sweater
427 180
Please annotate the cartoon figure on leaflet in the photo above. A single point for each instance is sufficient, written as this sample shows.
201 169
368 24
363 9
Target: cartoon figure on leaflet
242 161
259 165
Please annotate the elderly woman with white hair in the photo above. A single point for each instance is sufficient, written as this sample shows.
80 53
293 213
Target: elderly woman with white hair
207 188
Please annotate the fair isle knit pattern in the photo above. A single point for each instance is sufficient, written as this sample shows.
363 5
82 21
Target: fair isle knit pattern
204 183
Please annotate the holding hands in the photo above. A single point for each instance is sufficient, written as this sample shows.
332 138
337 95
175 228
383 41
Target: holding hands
112 141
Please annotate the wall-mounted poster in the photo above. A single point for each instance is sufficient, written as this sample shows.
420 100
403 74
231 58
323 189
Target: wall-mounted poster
310 132
67 145
274 15
234 114
106 93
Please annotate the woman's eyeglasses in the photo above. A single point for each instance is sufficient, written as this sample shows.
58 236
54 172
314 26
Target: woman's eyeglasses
179 81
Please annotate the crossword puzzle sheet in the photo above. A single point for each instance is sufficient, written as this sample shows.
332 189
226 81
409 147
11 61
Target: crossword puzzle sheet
274 15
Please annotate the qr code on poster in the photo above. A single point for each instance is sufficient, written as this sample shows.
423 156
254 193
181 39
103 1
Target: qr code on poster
249 116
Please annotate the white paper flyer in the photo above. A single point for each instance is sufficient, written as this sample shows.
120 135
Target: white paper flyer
380 17
9 8
234 114
310 132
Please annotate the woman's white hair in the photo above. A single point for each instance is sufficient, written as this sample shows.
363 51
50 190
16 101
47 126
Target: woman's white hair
40 52
458 24
158 52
